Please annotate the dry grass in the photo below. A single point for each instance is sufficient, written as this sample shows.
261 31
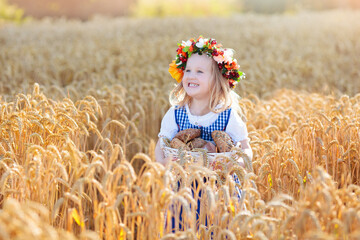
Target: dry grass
77 150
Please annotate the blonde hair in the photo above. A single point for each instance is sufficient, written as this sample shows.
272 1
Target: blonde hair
220 92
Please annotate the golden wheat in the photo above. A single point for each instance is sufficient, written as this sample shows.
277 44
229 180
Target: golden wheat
77 149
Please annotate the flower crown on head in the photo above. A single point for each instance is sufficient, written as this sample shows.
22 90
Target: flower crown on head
228 66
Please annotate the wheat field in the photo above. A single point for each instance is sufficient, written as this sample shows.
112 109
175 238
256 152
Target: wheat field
81 105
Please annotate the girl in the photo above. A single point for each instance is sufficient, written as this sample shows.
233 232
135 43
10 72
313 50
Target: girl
203 98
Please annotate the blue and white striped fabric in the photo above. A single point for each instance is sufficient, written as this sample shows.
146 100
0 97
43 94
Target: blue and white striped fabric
182 120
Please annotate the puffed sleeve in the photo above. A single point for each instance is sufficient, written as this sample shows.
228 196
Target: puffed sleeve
236 127
168 125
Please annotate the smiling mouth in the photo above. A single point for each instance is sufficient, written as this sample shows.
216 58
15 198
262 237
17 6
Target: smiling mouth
193 85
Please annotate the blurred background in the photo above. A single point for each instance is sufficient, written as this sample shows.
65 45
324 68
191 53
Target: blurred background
16 10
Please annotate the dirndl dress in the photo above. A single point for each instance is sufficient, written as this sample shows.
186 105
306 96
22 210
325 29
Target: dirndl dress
220 124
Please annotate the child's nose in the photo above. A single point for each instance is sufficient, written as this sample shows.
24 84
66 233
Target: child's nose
192 75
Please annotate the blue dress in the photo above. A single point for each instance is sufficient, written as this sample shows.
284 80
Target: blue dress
182 121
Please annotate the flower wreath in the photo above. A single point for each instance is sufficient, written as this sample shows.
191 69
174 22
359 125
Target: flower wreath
224 57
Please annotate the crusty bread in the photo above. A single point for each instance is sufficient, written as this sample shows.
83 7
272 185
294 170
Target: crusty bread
210 147
177 143
188 134
223 141
196 143
189 139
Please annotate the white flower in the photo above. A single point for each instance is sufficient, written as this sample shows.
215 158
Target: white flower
186 44
228 55
200 43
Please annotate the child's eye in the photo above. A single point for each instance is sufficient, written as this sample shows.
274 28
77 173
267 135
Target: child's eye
187 70
200 71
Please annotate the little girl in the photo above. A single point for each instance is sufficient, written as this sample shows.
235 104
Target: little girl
203 98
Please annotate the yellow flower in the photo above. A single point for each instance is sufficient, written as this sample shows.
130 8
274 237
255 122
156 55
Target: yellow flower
176 73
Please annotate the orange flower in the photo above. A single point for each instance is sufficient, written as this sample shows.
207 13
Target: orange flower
180 51
231 66
191 48
228 66
176 73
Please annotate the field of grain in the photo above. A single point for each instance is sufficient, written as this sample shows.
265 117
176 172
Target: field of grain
81 105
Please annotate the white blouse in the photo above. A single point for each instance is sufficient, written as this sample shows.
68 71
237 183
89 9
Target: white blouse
236 128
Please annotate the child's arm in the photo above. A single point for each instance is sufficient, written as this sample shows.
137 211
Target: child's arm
247 148
237 130
159 154
168 129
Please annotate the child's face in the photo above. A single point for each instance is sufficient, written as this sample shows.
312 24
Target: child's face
198 77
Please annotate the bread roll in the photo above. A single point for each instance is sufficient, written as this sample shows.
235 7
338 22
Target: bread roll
188 134
177 143
196 143
223 141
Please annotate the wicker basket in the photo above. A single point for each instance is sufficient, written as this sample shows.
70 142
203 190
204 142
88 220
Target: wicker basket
199 156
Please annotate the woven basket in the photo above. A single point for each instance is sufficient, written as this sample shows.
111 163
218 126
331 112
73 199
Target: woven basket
199 156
